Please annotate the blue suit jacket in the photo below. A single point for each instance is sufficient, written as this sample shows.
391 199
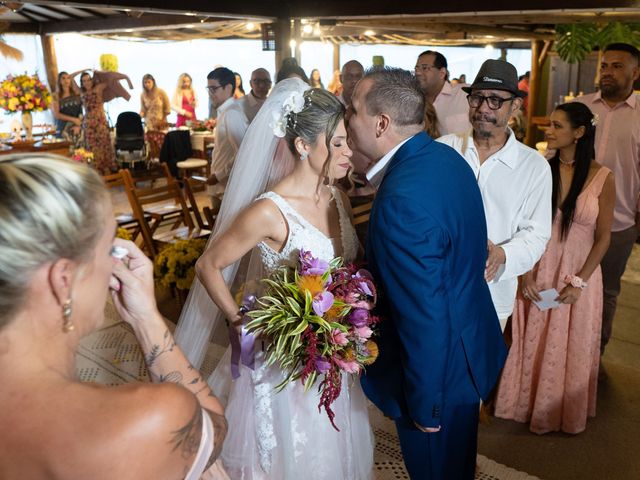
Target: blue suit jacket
440 340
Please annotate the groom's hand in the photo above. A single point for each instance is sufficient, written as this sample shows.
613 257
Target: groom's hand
426 429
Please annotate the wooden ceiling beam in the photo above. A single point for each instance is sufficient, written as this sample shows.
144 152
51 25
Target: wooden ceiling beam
37 13
62 12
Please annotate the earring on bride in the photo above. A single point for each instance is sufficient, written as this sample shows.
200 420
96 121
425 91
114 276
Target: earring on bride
67 324
304 155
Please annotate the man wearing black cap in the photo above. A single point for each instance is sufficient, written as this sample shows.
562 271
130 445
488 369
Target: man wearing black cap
515 182
449 100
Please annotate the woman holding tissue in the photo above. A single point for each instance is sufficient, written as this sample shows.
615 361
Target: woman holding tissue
59 260
550 377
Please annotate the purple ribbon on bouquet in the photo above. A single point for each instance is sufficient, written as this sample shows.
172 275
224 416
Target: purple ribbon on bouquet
242 345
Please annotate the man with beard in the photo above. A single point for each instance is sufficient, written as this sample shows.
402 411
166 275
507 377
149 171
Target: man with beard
515 182
618 148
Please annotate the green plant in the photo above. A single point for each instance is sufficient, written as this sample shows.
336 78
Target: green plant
575 41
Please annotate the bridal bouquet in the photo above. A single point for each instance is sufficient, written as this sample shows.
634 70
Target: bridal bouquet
318 319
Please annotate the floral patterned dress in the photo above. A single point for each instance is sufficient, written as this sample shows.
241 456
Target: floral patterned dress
96 133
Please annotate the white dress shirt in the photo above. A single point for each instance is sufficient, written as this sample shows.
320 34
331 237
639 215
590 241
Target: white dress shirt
230 129
251 105
376 173
515 183
453 110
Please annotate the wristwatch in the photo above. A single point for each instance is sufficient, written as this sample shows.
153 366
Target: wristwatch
575 281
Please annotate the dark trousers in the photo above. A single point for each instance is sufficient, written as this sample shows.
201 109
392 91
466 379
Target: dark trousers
449 454
613 265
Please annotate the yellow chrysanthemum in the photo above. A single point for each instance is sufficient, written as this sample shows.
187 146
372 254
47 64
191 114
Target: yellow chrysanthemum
349 355
312 284
373 352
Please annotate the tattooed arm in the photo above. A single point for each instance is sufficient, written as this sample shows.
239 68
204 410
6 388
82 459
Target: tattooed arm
134 300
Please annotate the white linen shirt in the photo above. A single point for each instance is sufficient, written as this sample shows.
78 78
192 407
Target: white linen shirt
230 129
515 183
376 173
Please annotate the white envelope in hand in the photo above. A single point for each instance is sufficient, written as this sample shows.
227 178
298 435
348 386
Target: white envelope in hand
548 299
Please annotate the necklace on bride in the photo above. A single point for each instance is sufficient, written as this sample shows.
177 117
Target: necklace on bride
566 162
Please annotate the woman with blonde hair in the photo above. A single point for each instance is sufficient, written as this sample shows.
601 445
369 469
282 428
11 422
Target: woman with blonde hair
184 100
58 264
154 104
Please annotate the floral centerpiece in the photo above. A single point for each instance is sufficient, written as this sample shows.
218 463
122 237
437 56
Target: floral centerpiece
317 318
81 155
24 93
174 266
201 126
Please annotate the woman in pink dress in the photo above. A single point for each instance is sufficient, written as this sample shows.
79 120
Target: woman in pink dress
550 377
184 100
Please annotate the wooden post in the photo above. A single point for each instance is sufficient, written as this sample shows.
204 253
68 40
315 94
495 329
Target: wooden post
534 88
295 35
50 60
336 56
283 38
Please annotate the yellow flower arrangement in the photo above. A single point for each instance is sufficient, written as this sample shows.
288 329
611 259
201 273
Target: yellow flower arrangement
123 233
81 155
175 264
24 93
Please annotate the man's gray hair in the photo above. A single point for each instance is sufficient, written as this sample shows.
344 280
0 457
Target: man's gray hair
397 93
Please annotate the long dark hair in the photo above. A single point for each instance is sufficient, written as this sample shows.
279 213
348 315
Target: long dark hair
578 115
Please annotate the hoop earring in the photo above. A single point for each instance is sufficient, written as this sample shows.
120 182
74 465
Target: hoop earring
67 324
304 155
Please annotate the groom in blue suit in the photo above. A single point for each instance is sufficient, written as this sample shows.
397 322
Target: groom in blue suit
441 347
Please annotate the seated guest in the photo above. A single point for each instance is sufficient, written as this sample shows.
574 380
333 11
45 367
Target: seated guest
551 375
184 100
55 272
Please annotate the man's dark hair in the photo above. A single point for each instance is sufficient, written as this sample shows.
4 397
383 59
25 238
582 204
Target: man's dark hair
224 76
291 68
397 93
624 47
439 61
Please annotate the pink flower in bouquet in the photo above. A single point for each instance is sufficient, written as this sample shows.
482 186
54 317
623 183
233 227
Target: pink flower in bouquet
363 333
322 303
311 265
349 366
338 337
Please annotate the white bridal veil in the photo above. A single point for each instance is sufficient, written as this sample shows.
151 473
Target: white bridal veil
262 160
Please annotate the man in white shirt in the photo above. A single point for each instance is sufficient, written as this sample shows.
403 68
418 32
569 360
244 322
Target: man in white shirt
515 182
230 128
449 100
260 85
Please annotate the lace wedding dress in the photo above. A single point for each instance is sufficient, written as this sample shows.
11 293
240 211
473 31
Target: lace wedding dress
282 435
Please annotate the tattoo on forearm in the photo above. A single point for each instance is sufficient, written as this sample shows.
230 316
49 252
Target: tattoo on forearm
171 377
157 350
187 438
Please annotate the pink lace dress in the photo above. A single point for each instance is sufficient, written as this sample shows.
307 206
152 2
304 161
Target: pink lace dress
550 377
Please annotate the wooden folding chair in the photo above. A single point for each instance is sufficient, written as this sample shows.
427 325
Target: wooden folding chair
191 184
161 203
124 219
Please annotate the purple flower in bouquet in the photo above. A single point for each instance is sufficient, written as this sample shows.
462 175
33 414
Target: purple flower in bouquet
322 364
359 317
311 265
322 303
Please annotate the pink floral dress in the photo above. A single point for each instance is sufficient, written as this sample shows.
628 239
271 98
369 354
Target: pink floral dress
96 133
550 377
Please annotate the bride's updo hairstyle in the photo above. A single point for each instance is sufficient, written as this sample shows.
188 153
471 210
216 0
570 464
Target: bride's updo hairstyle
50 208
322 112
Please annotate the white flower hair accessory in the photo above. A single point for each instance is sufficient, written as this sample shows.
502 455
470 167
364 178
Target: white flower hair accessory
294 103
594 120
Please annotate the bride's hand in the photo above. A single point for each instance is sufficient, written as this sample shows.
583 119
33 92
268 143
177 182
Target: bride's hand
132 285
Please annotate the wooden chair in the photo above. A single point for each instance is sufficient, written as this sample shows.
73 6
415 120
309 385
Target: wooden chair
163 204
125 219
191 184
361 213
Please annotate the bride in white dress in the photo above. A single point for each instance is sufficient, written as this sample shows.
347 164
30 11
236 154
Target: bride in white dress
281 435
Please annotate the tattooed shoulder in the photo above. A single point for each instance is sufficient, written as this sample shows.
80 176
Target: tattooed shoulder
187 438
